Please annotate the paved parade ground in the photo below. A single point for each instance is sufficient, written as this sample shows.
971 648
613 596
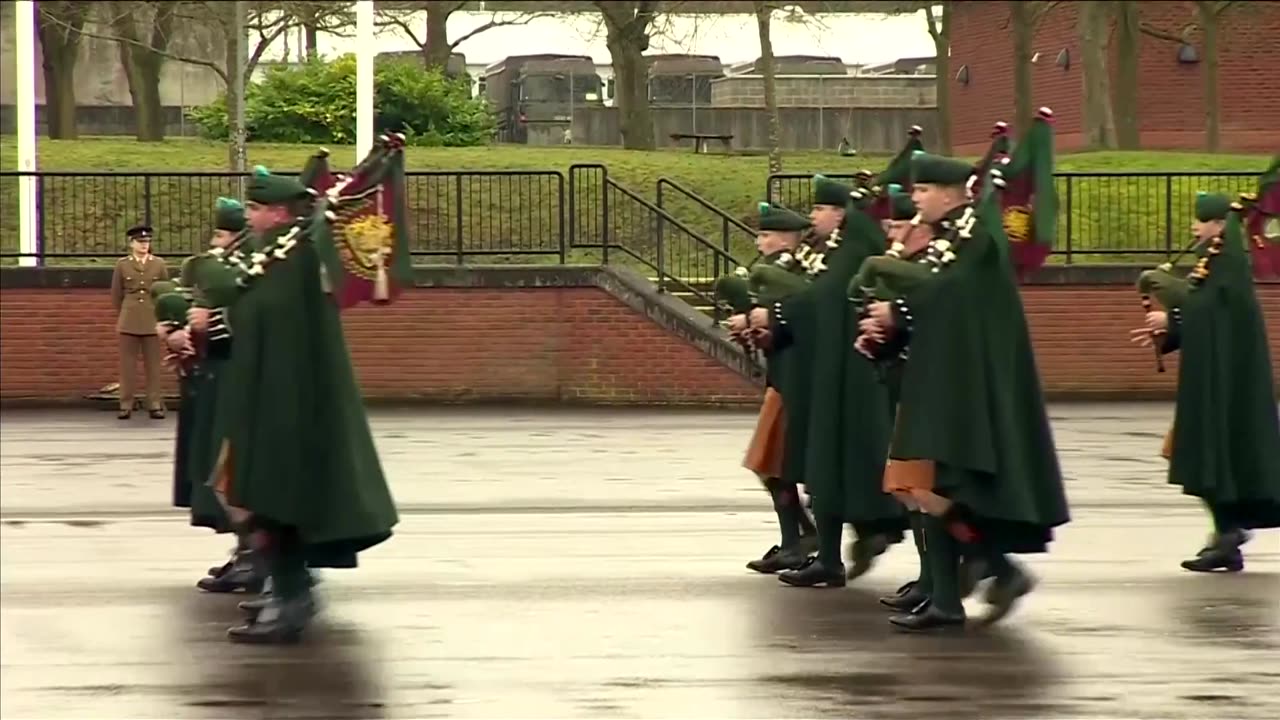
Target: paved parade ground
589 564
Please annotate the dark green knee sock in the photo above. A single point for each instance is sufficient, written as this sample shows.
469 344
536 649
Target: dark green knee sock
830 529
289 577
1222 522
786 503
944 566
925 581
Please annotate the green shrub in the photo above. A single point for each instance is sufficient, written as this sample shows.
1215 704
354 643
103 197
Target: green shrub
316 103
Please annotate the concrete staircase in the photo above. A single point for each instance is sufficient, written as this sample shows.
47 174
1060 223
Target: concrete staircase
702 285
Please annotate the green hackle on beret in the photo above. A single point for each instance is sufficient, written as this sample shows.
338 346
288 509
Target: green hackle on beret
939 170
1212 206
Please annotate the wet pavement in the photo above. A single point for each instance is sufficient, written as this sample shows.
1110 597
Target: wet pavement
589 564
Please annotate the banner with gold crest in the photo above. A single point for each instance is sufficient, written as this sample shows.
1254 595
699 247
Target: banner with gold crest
360 226
1029 200
1262 223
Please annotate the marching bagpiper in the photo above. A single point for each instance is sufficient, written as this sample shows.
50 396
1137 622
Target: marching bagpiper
198 354
296 463
779 238
972 448
1224 446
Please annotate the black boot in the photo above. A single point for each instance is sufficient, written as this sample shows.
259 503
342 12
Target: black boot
863 554
928 619
244 575
1011 583
907 601
277 622
778 559
1222 554
815 574
943 609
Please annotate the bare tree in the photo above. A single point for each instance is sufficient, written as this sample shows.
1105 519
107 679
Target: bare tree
146 29
764 20
1099 116
938 14
627 25
1025 18
1128 44
266 22
435 44
1208 15
59 26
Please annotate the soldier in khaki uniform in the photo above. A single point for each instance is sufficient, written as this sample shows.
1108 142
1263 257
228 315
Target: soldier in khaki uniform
136 322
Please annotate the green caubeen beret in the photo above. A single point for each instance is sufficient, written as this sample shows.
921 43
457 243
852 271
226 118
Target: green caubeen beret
1212 206
268 189
829 192
939 170
900 205
228 214
780 219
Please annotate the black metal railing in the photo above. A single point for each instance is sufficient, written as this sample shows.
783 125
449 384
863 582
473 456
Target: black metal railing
458 215
1099 214
736 238
645 236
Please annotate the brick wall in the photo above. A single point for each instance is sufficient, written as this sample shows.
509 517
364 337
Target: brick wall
829 91
1171 94
569 344
453 344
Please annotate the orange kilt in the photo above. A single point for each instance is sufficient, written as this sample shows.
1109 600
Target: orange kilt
906 475
1166 451
765 453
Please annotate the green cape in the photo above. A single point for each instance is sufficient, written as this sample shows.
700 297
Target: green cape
291 410
1226 436
971 397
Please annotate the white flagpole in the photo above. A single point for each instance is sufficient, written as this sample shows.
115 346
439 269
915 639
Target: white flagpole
365 52
25 68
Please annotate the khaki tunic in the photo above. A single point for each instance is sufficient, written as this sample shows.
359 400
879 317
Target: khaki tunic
131 294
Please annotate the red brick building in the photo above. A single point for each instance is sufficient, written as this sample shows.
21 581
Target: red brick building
1171 93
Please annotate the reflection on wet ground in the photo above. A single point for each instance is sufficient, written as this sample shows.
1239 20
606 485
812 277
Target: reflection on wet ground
589 565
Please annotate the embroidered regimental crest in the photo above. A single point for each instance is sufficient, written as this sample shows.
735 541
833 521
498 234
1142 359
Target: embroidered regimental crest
1017 223
366 243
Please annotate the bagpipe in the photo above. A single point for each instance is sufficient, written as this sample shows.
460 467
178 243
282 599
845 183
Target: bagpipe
1168 290
359 224
1262 223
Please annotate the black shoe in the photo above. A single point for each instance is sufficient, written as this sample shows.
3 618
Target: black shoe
777 560
905 601
156 414
222 569
242 577
124 414
1221 554
277 623
929 619
814 574
1005 592
864 553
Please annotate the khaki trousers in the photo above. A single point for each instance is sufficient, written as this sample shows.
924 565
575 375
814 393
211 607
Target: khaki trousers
149 347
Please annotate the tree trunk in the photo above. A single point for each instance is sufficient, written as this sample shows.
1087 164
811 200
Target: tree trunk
764 13
940 30
1021 20
1209 25
628 38
142 64
60 49
1125 99
1099 123
436 51
311 36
